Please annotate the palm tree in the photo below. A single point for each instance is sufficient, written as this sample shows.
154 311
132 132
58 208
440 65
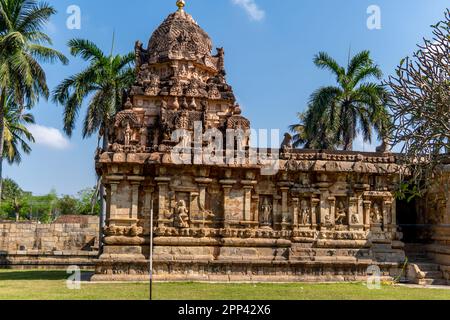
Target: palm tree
105 80
314 131
337 114
16 135
23 46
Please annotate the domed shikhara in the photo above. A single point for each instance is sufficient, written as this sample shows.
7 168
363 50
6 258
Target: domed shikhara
178 83
179 37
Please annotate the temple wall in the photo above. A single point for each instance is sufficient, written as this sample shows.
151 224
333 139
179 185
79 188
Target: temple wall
325 214
36 245
434 214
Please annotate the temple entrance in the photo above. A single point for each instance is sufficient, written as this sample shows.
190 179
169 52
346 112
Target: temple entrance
408 220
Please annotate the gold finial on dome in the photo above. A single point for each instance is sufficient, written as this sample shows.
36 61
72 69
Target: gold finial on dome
180 4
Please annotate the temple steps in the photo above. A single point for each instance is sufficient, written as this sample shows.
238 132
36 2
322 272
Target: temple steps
433 275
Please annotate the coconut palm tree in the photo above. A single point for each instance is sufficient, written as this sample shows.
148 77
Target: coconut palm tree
23 46
314 131
16 136
337 114
104 81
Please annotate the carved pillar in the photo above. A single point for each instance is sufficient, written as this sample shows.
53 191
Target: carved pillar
284 204
275 215
148 191
113 200
255 199
202 185
114 182
367 207
387 215
295 212
248 187
315 204
227 185
394 215
135 184
163 189
331 212
325 205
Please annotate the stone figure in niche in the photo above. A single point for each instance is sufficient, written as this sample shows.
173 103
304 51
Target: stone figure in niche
144 136
182 215
128 134
305 213
376 216
355 219
266 212
341 213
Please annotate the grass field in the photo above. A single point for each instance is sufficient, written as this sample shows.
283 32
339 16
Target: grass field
51 285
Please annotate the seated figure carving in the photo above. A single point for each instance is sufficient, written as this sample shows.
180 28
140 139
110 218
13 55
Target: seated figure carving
341 214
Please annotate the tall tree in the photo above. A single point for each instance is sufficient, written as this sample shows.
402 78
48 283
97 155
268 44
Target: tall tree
23 46
105 80
420 106
337 114
16 134
14 198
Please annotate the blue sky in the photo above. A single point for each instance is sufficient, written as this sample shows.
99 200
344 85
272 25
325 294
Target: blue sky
269 47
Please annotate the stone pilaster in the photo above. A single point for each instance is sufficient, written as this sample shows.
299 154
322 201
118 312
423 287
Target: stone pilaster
135 185
295 212
354 215
163 190
284 204
387 215
331 212
315 205
227 185
202 185
367 208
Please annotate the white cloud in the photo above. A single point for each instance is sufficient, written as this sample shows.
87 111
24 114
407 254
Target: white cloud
253 10
49 137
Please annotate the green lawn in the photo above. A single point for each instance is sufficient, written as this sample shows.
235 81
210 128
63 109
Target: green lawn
50 285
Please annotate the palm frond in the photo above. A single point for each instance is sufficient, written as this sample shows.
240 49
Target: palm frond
324 61
86 49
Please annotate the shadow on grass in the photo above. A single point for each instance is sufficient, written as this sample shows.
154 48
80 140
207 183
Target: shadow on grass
36 275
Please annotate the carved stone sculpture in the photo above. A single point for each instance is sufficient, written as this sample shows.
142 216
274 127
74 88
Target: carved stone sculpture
266 212
181 215
305 213
376 214
341 213
286 145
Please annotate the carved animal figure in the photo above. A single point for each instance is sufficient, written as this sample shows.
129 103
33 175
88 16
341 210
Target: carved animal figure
286 145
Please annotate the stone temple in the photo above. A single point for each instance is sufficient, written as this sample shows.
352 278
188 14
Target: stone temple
322 216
